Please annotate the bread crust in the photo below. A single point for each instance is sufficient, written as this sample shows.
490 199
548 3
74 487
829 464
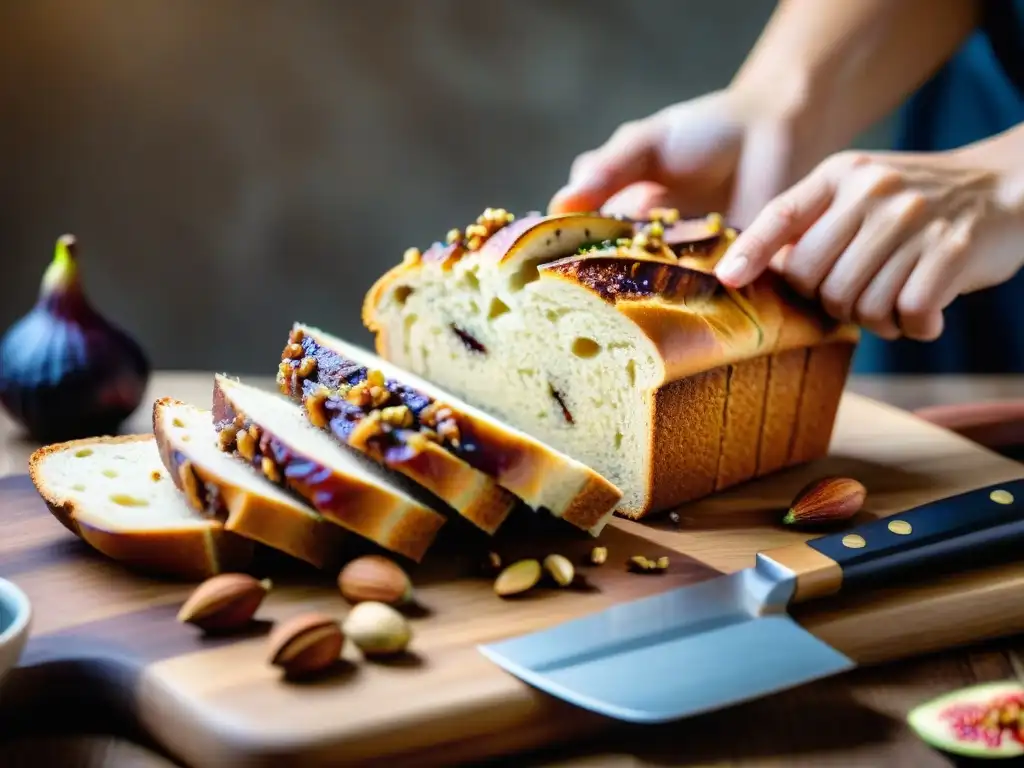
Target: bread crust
750 379
516 462
405 527
306 536
192 553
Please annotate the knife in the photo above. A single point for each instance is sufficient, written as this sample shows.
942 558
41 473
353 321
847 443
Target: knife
730 639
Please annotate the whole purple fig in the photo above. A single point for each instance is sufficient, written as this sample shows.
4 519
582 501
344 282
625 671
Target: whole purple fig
65 370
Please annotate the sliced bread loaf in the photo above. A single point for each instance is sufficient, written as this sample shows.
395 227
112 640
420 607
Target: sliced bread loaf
272 433
614 342
218 484
362 408
438 435
115 494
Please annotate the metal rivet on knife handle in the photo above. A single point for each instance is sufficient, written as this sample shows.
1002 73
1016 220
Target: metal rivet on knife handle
853 541
1000 496
900 527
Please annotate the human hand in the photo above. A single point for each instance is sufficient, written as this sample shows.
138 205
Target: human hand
729 152
887 240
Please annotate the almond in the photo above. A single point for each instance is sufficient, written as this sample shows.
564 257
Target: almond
306 644
826 500
375 578
560 568
224 602
377 629
519 577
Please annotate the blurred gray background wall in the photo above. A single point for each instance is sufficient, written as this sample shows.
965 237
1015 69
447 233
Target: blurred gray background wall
232 165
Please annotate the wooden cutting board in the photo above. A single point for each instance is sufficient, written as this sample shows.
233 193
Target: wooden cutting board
110 636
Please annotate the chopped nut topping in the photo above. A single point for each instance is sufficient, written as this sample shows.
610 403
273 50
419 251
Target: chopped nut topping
293 351
714 222
598 555
397 416
375 378
412 256
449 430
368 428
246 445
307 367
270 469
254 433
226 438
296 336
667 215
454 235
315 408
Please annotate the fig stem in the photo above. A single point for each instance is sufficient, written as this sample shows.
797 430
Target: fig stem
63 270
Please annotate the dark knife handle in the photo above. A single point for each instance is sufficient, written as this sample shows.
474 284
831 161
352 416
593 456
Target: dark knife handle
959 532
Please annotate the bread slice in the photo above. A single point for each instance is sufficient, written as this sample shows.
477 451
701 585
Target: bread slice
217 484
115 494
461 436
271 432
612 341
359 407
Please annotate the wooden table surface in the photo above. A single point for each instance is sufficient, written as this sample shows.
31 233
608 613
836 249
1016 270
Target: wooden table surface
854 720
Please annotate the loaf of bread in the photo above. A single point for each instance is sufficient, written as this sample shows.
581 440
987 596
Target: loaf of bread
220 486
460 453
612 341
115 494
271 433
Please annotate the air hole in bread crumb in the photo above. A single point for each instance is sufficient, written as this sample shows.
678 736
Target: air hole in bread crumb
177 422
109 473
471 280
81 454
125 500
497 309
526 274
584 347
402 294
631 371
78 487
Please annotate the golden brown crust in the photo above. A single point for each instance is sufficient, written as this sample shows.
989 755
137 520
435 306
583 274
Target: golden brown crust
194 552
304 535
827 368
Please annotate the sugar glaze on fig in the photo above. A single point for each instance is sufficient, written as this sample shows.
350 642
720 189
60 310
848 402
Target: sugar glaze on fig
65 370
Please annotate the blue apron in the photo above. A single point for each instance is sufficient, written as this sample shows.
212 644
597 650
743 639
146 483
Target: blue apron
978 93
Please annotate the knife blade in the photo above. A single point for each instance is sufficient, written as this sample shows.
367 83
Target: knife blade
731 639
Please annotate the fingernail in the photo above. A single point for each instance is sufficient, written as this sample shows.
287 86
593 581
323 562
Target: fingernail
732 268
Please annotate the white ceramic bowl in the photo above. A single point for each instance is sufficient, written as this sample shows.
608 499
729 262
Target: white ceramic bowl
15 619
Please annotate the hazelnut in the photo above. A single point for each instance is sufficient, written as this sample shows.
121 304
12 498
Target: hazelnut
377 629
306 644
224 602
375 578
293 351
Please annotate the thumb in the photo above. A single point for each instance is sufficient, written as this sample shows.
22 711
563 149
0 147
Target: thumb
629 156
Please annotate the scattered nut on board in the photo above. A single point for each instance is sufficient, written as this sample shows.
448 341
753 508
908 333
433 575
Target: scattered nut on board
642 564
375 578
598 555
826 500
519 577
306 644
224 602
560 568
377 629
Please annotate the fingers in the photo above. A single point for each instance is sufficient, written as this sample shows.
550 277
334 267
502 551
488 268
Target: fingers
783 220
637 199
627 157
876 307
883 230
934 283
